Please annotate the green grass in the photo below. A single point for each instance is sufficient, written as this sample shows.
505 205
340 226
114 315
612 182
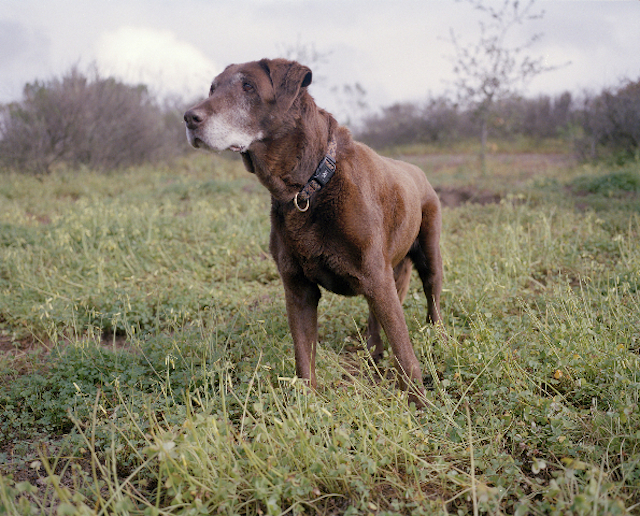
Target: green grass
614 183
148 368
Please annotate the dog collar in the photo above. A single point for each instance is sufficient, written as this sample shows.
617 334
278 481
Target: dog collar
324 172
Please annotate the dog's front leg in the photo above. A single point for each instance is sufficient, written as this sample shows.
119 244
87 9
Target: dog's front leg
302 299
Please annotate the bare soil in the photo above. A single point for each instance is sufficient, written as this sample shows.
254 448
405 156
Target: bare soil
528 163
455 196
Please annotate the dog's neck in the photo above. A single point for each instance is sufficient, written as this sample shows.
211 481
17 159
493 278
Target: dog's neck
322 175
284 164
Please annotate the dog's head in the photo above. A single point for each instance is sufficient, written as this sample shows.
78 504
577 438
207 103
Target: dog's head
246 103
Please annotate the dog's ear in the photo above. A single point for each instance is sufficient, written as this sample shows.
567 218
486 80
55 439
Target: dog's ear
288 79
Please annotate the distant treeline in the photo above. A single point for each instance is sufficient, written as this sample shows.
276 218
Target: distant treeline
596 125
101 123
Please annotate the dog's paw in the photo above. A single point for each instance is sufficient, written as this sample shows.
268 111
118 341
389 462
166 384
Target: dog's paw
417 396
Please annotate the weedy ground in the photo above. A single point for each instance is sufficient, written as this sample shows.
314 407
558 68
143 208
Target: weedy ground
146 365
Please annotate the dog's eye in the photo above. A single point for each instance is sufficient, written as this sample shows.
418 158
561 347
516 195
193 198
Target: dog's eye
247 87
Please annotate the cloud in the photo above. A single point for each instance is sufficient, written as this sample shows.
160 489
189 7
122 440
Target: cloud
397 51
24 54
156 58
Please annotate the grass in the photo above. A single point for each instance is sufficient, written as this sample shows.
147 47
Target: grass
147 366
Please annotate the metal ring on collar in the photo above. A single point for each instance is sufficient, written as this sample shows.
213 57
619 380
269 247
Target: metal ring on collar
295 201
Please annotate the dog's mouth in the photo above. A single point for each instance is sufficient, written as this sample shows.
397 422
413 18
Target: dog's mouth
194 141
200 144
201 141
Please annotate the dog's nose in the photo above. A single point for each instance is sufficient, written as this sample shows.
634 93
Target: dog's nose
193 119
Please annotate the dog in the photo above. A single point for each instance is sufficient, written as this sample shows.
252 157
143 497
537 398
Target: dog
342 217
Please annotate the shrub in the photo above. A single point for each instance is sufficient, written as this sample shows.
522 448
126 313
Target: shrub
436 121
614 183
611 122
81 121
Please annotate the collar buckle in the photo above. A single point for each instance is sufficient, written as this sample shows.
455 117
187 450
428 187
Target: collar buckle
323 173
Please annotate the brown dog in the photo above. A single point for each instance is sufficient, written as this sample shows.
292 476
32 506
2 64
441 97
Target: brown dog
353 228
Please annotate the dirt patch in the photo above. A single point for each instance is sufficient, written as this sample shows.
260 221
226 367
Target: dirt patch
16 348
529 163
6 344
456 196
514 170
535 161
470 185
9 347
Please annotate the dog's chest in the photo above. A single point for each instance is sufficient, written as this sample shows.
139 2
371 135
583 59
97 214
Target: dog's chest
323 254
320 271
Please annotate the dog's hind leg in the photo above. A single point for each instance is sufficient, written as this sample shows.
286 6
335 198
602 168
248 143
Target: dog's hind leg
426 258
402 277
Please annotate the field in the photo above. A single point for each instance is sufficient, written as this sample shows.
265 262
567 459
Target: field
146 365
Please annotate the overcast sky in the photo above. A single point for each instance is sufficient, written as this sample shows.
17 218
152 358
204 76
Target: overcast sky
396 50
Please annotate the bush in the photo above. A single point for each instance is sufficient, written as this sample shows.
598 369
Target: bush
437 121
614 183
81 121
611 122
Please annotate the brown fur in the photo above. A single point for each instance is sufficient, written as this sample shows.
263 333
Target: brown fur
363 230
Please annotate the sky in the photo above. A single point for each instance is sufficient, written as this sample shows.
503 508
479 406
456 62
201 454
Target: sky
396 50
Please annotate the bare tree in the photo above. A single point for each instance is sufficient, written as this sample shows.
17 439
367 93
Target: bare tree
308 55
352 105
490 69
